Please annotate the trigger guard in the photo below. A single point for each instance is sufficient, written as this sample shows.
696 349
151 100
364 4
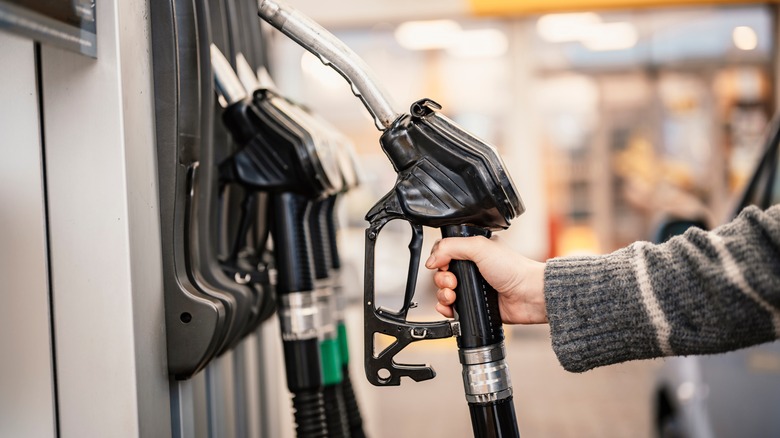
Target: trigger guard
381 368
390 322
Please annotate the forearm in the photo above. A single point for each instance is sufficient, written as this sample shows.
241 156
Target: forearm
703 292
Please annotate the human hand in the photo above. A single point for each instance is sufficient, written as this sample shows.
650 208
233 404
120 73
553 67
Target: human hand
518 280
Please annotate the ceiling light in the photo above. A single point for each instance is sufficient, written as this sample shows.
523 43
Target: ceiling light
561 28
611 36
745 38
480 43
427 35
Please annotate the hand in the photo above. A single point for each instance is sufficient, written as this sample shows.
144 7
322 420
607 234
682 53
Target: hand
519 281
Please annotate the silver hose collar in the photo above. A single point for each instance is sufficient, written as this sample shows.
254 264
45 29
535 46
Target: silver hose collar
326 306
298 316
485 374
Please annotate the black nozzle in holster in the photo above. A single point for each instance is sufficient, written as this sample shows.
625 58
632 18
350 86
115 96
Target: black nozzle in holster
274 158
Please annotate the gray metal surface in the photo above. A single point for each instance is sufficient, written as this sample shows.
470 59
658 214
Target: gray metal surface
276 408
104 233
251 391
27 402
220 389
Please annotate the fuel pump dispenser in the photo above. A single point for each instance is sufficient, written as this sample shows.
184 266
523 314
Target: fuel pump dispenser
447 179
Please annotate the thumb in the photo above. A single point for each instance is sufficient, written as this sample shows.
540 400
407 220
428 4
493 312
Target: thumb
457 248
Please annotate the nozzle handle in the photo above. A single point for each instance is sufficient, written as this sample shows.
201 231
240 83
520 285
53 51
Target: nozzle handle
320 242
332 229
333 53
486 379
476 305
289 230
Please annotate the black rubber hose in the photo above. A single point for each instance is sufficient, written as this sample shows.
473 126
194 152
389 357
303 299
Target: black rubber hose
335 412
309 407
494 420
354 419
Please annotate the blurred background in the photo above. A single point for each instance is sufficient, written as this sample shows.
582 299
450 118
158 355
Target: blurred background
610 120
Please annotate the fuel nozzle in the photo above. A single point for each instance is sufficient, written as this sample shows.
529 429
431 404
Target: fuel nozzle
448 179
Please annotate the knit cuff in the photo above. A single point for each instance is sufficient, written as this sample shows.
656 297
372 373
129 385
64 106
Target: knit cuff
595 311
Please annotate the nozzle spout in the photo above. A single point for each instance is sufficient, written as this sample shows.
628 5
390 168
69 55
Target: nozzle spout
334 53
246 74
226 82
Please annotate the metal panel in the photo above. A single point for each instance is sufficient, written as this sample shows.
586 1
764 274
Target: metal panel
104 232
276 408
221 397
248 391
27 405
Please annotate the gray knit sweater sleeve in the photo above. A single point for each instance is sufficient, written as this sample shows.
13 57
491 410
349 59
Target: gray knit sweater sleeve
699 293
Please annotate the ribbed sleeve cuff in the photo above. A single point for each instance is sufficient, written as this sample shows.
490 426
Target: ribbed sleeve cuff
596 312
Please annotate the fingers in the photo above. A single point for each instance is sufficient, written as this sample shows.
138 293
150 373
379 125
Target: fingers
446 311
446 282
445 279
457 248
445 296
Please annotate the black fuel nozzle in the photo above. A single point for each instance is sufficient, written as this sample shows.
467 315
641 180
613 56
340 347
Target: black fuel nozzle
451 180
244 234
448 179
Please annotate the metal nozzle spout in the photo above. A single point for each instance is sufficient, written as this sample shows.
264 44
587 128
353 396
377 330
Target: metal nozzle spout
334 53
246 74
226 83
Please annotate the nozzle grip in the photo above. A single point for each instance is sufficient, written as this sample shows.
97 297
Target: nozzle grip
291 242
476 303
330 217
320 242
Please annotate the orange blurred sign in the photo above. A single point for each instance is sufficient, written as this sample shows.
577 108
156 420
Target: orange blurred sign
521 7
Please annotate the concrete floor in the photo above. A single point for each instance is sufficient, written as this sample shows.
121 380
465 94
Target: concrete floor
550 402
